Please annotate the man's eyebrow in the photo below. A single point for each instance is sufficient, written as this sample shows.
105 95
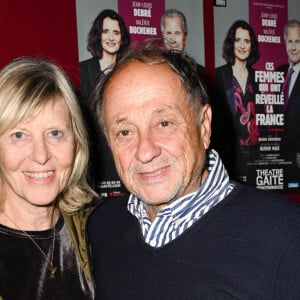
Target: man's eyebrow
163 109
156 111
120 120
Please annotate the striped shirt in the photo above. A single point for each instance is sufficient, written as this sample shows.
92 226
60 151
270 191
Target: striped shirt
174 219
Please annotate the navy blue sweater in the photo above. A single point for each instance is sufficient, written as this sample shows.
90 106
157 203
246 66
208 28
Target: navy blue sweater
246 247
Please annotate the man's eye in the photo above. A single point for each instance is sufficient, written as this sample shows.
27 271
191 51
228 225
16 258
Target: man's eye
124 133
165 123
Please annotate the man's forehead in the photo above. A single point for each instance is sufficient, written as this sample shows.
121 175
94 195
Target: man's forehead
139 80
171 22
140 72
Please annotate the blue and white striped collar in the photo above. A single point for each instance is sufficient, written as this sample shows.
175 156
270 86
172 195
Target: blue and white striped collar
216 181
189 208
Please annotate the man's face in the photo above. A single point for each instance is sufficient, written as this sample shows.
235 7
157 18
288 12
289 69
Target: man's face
174 36
157 143
293 45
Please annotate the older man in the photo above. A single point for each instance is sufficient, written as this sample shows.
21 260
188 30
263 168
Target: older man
186 231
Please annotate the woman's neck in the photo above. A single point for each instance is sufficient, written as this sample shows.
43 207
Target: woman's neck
240 72
107 60
30 219
240 66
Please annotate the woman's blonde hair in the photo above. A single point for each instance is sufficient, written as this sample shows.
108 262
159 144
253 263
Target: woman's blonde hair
26 85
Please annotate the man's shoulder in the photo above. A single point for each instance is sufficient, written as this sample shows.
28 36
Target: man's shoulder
282 68
252 194
108 209
265 207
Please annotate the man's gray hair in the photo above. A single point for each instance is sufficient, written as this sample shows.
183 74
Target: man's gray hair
294 23
172 13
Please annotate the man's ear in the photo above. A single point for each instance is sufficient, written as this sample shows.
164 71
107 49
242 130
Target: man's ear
205 125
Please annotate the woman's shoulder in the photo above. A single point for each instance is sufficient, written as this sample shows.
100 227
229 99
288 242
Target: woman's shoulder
224 68
89 62
224 73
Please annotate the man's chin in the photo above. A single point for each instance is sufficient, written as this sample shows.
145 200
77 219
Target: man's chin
157 198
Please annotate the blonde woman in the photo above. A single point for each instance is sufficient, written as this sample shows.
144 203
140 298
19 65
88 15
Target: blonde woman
44 194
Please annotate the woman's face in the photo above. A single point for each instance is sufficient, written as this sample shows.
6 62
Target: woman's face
37 156
242 44
111 36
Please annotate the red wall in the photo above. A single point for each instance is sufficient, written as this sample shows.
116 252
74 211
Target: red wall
40 28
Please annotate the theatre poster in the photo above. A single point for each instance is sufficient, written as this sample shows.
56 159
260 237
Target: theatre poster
270 162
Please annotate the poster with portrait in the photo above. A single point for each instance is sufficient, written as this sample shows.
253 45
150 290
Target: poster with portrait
250 122
276 169
182 26
109 20
103 41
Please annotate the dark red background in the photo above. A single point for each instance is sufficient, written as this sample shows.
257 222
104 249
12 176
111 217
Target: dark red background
41 28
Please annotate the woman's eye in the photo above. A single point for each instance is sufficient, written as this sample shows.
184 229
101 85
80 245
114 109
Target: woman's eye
19 138
18 135
54 136
56 133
